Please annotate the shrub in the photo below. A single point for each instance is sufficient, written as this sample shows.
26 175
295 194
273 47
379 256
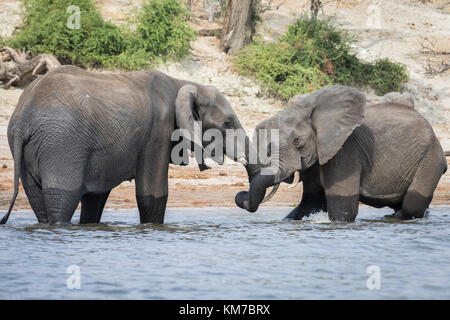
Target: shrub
95 43
160 32
312 54
386 76
272 65
161 28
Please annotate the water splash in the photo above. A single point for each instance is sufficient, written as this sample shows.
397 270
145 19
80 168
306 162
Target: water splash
319 217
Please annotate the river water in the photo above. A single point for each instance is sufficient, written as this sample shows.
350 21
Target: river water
225 253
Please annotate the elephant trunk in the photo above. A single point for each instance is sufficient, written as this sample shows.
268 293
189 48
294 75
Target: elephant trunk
252 166
252 171
250 200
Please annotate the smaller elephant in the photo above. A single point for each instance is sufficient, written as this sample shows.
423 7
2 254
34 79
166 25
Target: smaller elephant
347 151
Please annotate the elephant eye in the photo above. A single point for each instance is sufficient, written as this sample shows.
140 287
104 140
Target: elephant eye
228 124
296 142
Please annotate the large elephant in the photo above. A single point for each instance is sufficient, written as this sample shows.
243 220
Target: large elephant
75 135
346 151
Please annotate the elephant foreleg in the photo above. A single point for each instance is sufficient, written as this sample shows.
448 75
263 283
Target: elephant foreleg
152 183
92 207
151 209
341 178
311 203
313 198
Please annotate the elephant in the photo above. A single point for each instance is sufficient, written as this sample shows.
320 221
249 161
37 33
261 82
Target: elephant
346 151
75 135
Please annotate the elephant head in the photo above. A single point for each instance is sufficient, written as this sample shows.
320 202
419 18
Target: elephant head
207 105
311 130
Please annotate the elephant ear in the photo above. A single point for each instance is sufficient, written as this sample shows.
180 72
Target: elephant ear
185 111
336 113
185 105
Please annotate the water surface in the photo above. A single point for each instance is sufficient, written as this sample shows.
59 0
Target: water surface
225 253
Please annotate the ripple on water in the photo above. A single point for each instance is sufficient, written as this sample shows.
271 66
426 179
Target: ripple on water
224 253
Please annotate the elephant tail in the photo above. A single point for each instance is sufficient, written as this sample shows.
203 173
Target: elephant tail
18 143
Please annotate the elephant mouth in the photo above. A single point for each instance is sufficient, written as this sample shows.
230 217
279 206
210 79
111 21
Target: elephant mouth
293 179
289 179
271 193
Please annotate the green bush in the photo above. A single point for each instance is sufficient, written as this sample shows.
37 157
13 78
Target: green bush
387 76
161 28
160 31
312 54
95 43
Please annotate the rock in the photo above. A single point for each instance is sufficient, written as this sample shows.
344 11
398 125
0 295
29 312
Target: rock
4 166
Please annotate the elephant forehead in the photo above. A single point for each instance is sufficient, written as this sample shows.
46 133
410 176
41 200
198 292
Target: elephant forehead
273 128
298 100
292 116
206 95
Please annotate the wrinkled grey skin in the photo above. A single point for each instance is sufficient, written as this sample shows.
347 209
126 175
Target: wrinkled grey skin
75 135
346 151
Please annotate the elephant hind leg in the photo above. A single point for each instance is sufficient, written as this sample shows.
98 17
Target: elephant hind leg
418 197
92 207
414 205
61 165
35 196
420 193
60 204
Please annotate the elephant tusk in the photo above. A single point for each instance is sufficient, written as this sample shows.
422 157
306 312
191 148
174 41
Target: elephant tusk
296 180
271 194
242 161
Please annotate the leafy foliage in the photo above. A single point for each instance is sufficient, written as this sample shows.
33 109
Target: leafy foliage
387 76
160 31
161 28
312 54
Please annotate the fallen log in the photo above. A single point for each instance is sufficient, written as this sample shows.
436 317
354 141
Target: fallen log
210 32
23 67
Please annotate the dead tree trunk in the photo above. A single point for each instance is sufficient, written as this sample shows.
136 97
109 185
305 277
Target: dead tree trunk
211 6
189 5
315 7
237 28
23 67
